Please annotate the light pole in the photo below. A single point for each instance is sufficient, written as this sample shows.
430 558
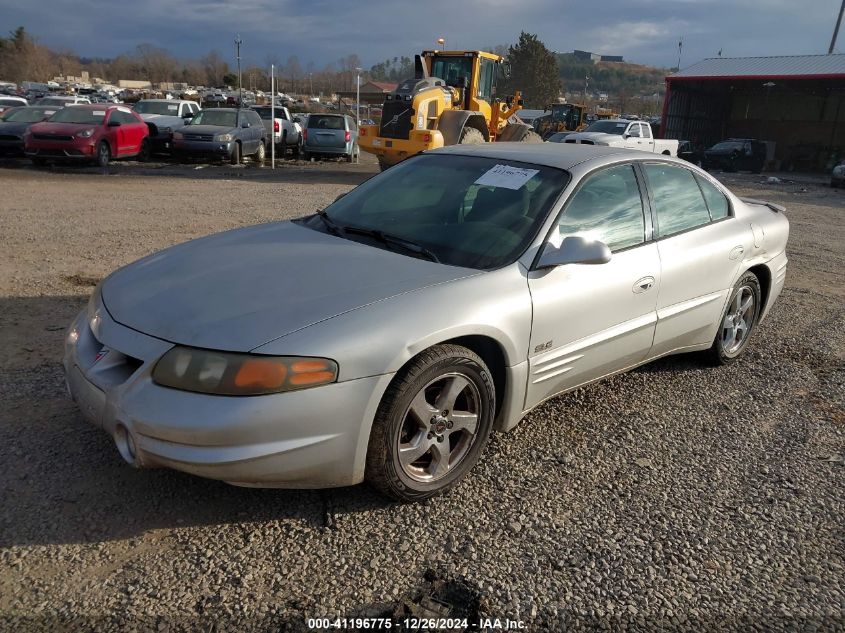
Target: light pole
442 42
238 42
680 50
311 82
358 98
586 83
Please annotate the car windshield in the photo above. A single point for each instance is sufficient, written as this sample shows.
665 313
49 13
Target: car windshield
28 115
469 211
221 118
608 127
75 114
451 69
727 145
325 122
157 107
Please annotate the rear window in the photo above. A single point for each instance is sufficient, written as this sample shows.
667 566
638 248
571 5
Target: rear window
326 122
265 113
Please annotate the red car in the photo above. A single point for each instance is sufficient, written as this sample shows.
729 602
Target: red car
88 132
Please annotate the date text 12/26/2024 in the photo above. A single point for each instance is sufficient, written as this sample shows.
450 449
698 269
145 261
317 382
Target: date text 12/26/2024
415 624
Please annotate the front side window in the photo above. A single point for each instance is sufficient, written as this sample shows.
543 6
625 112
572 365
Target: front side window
468 211
634 130
606 207
717 203
485 79
677 199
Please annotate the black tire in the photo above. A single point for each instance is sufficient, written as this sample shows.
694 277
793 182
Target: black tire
39 162
471 136
723 351
235 158
284 148
144 153
532 137
382 164
295 151
261 153
448 366
103 154
306 156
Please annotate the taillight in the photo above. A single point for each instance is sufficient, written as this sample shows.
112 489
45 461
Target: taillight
348 136
427 138
304 135
275 126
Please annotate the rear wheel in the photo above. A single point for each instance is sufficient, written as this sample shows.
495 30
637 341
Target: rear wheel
471 136
235 158
103 154
432 424
382 164
284 148
738 321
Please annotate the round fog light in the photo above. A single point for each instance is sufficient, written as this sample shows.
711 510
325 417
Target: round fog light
125 445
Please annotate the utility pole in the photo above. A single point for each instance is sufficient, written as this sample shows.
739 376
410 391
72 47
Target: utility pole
273 117
586 83
238 42
358 98
836 30
680 50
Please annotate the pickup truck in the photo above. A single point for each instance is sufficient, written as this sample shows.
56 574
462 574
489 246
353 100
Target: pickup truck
624 133
285 133
163 117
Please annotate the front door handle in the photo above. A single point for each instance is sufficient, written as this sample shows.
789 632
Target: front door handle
642 285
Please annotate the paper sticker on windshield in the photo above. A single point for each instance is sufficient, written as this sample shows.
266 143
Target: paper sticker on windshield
48 112
173 107
99 113
506 176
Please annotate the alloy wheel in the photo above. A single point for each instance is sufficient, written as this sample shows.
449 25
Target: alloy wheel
738 320
439 427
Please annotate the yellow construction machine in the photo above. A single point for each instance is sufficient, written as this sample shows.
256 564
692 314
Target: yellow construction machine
450 100
562 117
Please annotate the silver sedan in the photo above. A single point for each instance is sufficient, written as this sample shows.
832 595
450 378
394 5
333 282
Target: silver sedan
385 337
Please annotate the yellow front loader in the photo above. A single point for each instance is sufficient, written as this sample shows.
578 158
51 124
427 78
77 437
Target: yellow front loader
449 101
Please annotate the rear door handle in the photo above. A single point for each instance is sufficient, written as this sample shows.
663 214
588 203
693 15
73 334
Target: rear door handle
642 285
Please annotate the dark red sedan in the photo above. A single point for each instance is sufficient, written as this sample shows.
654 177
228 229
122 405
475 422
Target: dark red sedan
88 132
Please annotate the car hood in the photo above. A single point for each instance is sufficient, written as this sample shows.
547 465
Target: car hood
722 152
65 129
593 136
209 129
237 290
163 120
14 127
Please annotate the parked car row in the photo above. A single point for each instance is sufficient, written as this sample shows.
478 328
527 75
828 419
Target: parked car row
61 129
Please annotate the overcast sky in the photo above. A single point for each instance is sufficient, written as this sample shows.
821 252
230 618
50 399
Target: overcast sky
322 31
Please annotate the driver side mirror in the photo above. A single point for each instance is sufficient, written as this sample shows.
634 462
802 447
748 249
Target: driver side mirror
188 115
506 69
245 124
574 249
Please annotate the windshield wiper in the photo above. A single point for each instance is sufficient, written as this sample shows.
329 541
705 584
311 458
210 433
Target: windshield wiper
333 227
388 239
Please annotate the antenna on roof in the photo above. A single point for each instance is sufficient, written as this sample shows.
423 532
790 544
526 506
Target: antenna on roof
836 30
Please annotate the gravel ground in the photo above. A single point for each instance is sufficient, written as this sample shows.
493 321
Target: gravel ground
675 497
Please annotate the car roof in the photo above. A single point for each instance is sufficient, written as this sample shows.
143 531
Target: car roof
165 101
560 155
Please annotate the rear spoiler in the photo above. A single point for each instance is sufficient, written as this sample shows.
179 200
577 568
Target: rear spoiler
774 207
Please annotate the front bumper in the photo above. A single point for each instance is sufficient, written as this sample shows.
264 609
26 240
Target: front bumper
11 147
312 438
395 150
203 148
84 149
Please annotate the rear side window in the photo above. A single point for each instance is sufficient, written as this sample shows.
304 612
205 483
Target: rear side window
319 121
717 203
677 199
607 207
264 113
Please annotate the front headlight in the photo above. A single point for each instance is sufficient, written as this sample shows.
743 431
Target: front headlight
230 374
86 133
225 138
178 136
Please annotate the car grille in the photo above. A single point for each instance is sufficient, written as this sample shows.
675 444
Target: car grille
9 137
52 137
199 137
396 119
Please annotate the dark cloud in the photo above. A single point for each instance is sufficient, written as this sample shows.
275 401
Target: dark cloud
323 31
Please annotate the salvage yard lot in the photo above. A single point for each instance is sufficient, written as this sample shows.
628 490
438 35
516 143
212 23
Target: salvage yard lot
676 495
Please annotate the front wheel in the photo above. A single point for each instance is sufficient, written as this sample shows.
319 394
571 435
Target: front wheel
382 164
261 154
103 154
531 137
235 158
432 424
738 321
145 153
471 136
